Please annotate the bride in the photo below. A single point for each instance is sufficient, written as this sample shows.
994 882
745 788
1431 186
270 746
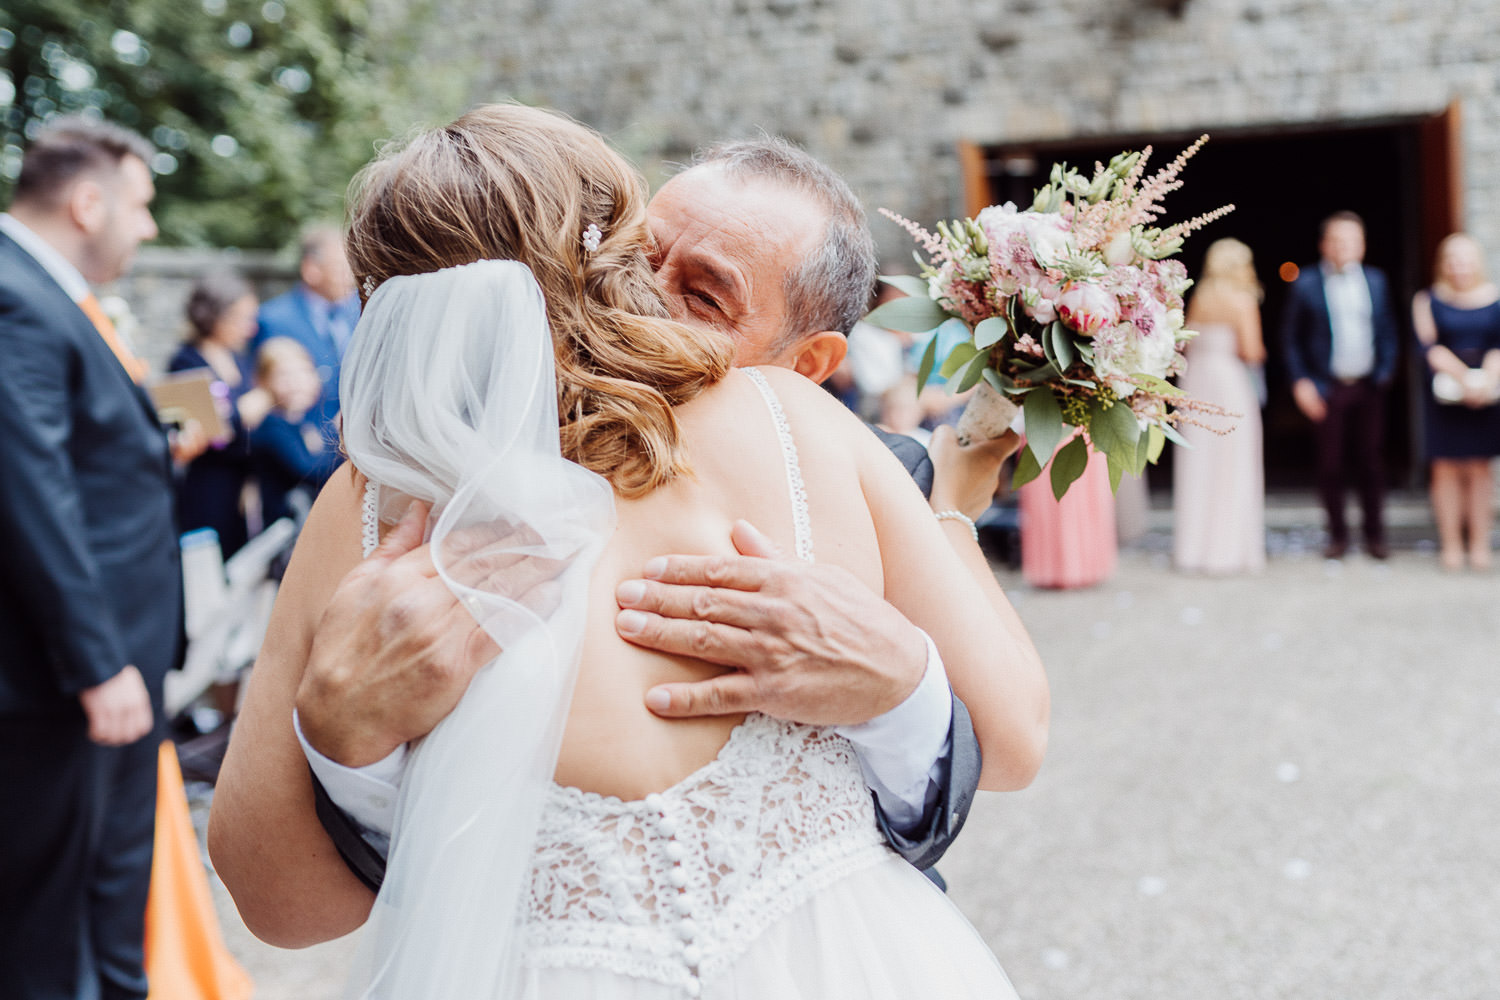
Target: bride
515 367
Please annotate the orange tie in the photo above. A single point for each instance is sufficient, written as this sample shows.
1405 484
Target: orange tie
133 365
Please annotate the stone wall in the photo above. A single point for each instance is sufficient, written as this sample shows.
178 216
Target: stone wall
156 291
884 89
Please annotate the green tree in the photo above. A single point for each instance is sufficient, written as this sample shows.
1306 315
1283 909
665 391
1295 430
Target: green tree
262 109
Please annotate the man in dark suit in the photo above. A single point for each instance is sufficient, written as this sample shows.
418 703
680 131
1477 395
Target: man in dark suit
807 279
320 313
1340 343
90 582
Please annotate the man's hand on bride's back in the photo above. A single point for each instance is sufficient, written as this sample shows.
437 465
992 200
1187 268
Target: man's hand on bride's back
811 642
395 650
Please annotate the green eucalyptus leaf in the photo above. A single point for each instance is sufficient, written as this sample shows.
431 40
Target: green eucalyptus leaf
929 358
910 284
963 352
974 371
1041 373
1116 471
1173 435
1115 432
913 314
1158 386
990 332
1068 464
1003 383
1062 347
1027 469
1044 424
1155 442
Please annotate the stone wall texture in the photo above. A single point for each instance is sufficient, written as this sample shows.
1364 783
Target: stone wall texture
884 89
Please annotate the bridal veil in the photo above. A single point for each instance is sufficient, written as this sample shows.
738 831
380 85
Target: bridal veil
449 396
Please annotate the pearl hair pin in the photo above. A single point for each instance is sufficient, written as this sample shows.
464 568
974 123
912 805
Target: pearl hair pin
591 237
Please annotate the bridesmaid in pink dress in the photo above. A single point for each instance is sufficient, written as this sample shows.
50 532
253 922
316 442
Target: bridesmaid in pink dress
1069 543
1219 494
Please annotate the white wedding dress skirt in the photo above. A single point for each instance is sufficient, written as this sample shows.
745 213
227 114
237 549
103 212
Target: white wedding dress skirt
885 933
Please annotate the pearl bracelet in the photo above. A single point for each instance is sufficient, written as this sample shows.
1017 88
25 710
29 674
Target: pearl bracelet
958 515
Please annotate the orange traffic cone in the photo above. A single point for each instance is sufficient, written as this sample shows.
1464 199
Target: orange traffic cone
185 954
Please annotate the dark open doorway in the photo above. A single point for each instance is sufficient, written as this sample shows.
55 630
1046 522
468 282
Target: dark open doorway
1399 174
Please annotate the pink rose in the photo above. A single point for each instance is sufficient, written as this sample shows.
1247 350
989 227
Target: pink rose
1087 308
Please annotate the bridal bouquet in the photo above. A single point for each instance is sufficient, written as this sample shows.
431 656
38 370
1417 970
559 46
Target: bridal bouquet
1073 309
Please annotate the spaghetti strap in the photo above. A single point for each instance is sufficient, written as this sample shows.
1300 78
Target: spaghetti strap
801 524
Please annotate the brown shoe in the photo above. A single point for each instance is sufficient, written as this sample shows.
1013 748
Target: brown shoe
1335 550
1378 549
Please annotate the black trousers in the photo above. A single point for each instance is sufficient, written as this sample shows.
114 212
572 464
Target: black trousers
1349 442
75 861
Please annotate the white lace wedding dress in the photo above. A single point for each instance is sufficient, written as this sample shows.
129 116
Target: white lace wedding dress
761 876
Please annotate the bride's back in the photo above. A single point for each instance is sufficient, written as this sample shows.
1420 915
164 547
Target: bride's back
613 745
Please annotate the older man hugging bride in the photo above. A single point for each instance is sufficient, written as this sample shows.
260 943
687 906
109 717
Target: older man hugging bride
519 365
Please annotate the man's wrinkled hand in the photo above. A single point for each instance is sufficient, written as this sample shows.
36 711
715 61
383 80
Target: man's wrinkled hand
811 643
118 710
396 650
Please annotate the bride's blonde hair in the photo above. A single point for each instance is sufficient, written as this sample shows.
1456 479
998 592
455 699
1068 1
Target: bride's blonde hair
517 183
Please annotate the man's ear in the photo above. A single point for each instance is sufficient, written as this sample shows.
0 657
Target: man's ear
820 354
86 205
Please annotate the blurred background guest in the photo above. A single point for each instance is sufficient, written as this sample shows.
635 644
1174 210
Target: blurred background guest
1071 542
221 322
1339 344
294 449
320 313
1218 490
1457 322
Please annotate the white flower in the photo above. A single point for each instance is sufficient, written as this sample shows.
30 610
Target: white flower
1119 251
1049 237
938 284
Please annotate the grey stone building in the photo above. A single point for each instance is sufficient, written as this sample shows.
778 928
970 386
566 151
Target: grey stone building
931 107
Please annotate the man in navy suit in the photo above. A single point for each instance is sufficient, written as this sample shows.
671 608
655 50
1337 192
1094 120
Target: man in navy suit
1339 337
321 312
90 582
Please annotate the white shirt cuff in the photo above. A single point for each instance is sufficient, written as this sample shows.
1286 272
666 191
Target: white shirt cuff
367 794
901 752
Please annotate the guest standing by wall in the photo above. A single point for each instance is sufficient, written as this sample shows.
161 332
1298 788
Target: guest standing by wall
1339 339
1218 488
321 312
90 584
1457 322
221 321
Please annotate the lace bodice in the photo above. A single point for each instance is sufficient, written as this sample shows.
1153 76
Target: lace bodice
672 887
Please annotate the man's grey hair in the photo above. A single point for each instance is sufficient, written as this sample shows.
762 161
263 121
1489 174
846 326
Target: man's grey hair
317 239
830 289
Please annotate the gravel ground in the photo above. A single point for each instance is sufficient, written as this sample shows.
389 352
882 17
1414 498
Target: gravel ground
1268 787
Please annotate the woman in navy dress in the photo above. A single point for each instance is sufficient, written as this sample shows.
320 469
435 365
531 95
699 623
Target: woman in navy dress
1457 323
221 320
